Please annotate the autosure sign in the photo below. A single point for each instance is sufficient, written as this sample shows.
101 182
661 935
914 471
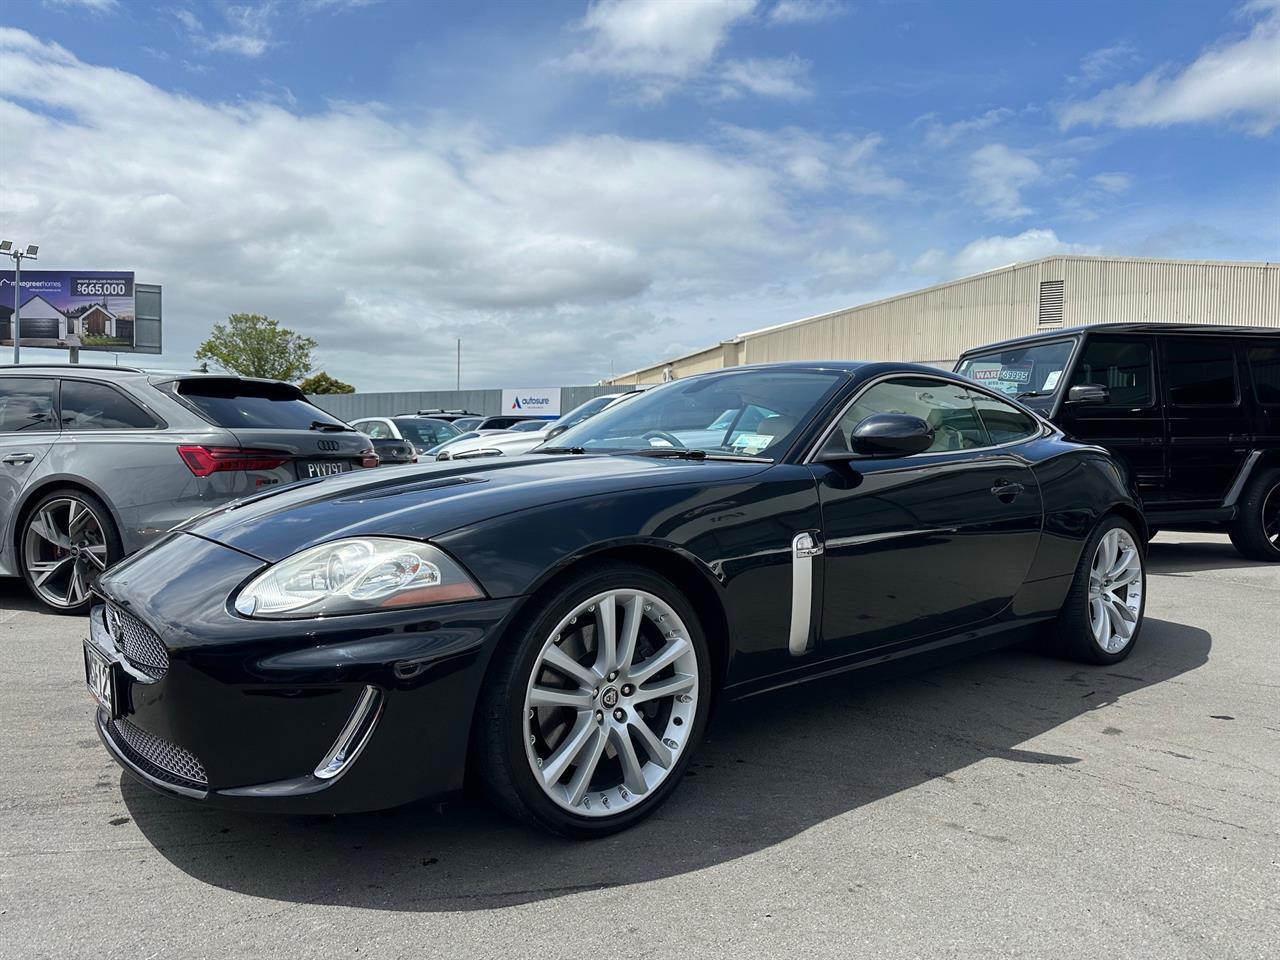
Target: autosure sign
532 402
90 309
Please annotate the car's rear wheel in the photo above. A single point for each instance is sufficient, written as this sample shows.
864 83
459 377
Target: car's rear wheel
67 539
1102 616
1255 532
592 711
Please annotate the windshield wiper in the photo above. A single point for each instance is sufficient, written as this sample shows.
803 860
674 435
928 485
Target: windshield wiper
1030 393
676 453
575 451
327 427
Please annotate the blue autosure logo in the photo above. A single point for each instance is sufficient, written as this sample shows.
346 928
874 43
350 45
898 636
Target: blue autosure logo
531 403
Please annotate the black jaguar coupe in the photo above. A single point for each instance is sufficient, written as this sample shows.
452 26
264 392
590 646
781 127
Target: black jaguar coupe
556 627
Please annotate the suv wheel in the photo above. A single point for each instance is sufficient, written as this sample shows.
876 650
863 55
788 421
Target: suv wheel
1255 532
67 539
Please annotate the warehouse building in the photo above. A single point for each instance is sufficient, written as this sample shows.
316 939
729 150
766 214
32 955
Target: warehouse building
935 325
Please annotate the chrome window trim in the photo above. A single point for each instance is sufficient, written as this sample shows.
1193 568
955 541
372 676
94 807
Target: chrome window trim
963 383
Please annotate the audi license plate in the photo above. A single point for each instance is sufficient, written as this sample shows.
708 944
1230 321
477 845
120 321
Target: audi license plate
309 469
100 677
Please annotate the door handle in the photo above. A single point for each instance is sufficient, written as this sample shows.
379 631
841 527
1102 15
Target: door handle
15 458
1005 491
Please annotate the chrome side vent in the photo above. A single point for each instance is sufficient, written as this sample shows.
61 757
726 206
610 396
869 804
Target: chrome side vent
804 547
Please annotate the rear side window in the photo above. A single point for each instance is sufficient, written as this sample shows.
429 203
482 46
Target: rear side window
97 406
1201 372
232 403
1122 366
26 404
1264 362
1004 422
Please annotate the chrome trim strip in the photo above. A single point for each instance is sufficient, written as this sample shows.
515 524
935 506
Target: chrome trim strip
888 535
804 547
1242 478
354 736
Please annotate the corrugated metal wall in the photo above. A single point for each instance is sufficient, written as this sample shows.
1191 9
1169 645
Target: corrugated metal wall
937 324
353 406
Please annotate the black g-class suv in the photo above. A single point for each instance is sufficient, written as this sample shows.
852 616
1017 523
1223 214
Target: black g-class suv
1193 410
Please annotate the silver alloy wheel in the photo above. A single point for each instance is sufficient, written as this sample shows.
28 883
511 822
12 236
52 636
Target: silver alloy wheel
1115 590
610 702
1271 516
64 548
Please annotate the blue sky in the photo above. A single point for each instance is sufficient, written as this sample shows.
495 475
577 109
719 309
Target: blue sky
575 189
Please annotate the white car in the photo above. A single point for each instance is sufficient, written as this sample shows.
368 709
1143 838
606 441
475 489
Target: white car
512 443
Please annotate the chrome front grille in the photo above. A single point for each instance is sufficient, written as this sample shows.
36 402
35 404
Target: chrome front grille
138 642
158 756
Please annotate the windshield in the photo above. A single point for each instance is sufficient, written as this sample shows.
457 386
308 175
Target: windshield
529 426
1020 371
740 412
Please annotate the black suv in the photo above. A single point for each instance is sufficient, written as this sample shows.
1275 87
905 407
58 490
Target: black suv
1193 410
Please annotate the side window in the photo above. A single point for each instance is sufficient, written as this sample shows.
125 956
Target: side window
1201 372
1004 422
1122 366
26 404
377 430
946 407
96 406
1264 362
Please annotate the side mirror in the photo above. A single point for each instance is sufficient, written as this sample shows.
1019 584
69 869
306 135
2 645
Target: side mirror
885 435
1088 393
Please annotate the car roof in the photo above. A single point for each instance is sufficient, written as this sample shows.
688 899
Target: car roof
1180 329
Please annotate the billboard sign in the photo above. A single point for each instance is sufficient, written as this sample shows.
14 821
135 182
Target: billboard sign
90 309
532 402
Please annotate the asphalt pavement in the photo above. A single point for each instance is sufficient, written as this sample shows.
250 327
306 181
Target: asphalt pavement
1002 805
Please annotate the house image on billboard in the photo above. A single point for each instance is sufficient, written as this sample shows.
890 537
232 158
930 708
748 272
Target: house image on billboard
97 321
41 320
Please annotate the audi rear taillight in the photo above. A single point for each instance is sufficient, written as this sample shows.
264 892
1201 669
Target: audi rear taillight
369 459
202 461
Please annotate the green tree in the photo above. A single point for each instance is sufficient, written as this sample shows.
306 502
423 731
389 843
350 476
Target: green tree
252 345
323 383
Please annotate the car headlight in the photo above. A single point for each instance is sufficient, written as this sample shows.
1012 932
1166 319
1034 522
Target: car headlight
357 575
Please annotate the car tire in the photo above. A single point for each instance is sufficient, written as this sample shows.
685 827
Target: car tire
1107 596
66 539
1255 532
575 740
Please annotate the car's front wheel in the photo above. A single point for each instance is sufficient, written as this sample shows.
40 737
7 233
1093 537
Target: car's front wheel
595 705
1102 616
67 539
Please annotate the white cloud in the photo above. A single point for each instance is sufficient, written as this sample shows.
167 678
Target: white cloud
549 259
784 79
987 253
842 270
806 11
997 176
1112 182
944 134
248 32
93 6
1100 64
1235 79
656 43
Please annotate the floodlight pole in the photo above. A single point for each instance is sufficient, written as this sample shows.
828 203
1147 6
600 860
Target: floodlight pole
17 254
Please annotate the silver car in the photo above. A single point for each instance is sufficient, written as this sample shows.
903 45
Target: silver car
97 461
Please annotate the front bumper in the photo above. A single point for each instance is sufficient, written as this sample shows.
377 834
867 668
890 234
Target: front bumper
322 716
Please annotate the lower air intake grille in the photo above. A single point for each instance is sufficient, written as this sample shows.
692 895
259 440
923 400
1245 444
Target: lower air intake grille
159 757
138 642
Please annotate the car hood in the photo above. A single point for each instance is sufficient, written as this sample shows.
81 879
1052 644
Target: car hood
428 500
508 442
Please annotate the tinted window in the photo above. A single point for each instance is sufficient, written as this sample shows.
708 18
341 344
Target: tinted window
1004 422
946 407
375 429
1122 366
1201 372
233 403
1264 362
97 406
1021 370
26 403
426 432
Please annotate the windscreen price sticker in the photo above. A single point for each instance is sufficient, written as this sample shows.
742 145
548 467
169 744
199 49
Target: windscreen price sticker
101 287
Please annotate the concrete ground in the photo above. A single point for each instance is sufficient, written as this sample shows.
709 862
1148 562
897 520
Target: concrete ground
1005 805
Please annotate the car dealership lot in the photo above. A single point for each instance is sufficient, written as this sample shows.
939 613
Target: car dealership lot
1005 805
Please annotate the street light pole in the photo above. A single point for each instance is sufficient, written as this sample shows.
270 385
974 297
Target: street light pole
11 249
457 385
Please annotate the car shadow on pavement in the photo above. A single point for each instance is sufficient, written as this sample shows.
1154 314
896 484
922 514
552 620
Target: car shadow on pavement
771 767
14 596
1170 556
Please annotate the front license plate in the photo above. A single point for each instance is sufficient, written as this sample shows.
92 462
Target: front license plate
100 677
309 469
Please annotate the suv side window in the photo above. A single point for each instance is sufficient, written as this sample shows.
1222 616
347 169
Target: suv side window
1201 372
947 407
1264 362
1122 366
1004 422
26 404
98 406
